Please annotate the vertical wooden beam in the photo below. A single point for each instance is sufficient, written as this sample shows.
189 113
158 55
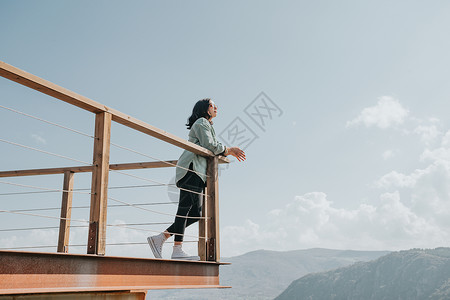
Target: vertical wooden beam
202 231
99 187
212 210
66 212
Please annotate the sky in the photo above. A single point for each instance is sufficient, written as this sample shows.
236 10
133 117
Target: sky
344 106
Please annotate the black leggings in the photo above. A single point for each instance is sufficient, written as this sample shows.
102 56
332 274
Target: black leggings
190 204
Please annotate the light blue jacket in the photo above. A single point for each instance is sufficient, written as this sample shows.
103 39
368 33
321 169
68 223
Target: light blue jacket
202 133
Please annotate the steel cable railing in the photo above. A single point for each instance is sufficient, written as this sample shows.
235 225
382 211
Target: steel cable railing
130 226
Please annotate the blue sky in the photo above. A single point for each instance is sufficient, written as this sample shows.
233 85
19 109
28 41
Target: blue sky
358 159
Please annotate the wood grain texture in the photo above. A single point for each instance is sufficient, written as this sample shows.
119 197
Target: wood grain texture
99 188
66 212
212 211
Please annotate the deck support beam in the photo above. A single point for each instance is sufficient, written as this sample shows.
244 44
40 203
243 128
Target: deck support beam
212 210
122 295
66 213
41 273
99 188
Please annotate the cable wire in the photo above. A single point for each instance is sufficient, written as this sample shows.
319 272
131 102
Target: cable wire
46 152
149 156
84 207
48 122
154 211
141 243
80 226
74 190
27 247
113 199
166 184
85 245
155 231
42 216
139 186
86 221
42 188
25 193
28 228
149 223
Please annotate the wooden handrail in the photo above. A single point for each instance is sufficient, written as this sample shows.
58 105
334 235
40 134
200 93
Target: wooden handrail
84 169
24 78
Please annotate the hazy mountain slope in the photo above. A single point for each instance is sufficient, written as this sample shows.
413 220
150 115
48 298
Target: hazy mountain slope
265 274
409 275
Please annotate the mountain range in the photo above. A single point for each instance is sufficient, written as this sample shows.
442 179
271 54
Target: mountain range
409 275
265 274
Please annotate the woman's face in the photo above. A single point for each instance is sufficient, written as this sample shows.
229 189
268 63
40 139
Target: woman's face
212 110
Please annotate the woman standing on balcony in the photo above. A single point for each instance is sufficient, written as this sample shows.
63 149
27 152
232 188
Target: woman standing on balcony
191 176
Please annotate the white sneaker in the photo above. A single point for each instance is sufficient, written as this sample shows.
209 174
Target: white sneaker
178 253
156 242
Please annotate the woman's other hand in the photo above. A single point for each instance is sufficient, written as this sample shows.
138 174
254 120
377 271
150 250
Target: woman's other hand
237 152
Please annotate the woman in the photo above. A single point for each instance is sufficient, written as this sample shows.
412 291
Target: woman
191 176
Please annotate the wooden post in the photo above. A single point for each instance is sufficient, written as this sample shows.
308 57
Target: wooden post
66 211
212 210
99 187
202 231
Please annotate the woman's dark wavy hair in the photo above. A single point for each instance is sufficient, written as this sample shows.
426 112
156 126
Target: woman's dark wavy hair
200 110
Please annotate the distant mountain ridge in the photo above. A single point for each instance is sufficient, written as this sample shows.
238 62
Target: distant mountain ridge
409 275
265 274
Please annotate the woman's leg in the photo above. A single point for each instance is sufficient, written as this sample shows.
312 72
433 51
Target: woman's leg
189 206
177 228
184 207
196 211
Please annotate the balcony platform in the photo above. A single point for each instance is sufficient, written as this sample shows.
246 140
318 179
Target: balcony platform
42 273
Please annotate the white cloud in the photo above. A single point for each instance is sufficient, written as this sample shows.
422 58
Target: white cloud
388 154
412 210
398 180
34 237
445 142
386 113
312 220
428 134
426 189
440 154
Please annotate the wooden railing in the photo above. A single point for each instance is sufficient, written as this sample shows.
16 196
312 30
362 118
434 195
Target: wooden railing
209 246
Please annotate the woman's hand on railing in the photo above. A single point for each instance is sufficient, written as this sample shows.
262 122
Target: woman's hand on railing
236 152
